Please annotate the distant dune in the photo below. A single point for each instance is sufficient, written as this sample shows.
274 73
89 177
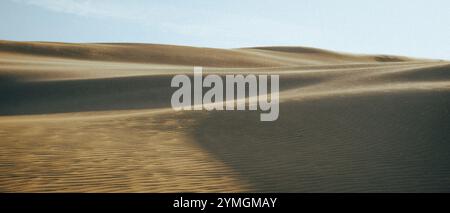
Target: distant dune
97 118
327 56
184 55
139 53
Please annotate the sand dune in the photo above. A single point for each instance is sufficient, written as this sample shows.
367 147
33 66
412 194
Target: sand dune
140 53
191 56
97 118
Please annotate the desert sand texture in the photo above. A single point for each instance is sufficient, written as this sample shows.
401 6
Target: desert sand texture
97 118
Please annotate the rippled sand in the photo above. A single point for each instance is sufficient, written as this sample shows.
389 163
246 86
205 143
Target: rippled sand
145 153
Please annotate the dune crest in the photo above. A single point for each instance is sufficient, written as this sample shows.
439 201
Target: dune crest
185 55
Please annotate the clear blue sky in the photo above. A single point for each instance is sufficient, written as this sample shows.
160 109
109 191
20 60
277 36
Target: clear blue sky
404 27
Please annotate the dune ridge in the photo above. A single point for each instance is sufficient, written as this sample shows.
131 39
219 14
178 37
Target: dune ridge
185 55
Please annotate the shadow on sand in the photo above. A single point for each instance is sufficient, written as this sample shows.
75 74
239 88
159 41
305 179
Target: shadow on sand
375 143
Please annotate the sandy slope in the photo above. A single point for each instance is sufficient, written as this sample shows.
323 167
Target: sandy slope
97 117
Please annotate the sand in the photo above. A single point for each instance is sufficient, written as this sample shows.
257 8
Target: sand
97 118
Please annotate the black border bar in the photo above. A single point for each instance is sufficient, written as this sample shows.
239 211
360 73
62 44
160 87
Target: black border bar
165 201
